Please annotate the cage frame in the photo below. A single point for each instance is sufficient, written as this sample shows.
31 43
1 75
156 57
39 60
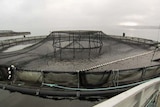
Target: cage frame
93 38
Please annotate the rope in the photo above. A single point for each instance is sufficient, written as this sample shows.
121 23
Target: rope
108 63
94 89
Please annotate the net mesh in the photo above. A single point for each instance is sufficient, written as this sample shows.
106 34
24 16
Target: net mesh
53 54
81 59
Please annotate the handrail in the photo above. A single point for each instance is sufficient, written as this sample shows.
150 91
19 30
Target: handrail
138 96
134 39
17 40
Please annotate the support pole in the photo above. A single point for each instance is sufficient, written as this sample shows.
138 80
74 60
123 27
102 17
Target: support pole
89 46
60 48
73 47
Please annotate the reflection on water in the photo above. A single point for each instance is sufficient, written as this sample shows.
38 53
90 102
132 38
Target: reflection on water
18 47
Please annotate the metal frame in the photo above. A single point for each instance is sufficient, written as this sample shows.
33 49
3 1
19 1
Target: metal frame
74 38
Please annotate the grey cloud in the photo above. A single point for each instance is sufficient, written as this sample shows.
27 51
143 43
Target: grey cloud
42 16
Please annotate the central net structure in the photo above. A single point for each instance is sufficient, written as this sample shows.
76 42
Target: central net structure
72 44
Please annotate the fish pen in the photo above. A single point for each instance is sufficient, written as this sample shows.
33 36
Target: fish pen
76 42
79 64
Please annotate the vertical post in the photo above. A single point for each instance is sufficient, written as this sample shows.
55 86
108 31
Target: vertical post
42 73
89 45
78 81
115 76
80 46
69 38
60 50
97 41
143 73
73 47
100 41
54 37
79 39
123 34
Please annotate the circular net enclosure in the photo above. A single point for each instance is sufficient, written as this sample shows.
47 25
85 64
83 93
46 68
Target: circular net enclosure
89 63
76 44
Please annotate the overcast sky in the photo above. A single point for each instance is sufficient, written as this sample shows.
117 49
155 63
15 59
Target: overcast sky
42 16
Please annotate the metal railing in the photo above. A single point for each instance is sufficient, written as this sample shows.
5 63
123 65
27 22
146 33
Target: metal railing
144 95
125 39
135 40
12 42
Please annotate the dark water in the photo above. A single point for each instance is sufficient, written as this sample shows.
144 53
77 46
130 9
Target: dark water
14 99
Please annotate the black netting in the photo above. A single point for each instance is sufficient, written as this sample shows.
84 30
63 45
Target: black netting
80 59
85 52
